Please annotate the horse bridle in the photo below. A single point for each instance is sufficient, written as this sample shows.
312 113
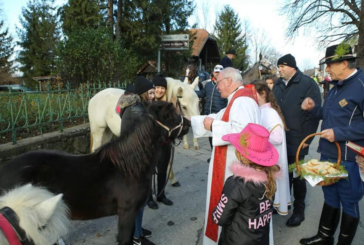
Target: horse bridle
169 130
267 67
9 224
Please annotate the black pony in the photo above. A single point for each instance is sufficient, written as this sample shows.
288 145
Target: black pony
115 179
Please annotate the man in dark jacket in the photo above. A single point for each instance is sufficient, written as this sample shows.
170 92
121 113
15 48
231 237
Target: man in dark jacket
214 102
342 120
290 90
227 60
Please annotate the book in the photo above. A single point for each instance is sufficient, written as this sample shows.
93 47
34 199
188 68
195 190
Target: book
356 148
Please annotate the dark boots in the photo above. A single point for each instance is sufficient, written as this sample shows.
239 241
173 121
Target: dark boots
348 228
329 220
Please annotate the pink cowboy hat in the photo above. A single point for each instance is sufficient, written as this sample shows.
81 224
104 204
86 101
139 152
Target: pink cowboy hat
252 143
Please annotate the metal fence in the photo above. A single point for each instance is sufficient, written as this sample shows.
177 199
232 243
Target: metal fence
31 113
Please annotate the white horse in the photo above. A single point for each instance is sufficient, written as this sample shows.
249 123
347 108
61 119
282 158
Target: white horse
39 213
105 121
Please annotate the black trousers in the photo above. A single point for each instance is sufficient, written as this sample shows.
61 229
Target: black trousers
210 140
162 169
299 188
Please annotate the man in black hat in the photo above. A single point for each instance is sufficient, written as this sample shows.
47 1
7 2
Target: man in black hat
227 60
290 90
342 120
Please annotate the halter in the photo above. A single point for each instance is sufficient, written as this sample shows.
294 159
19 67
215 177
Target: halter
267 67
180 126
9 224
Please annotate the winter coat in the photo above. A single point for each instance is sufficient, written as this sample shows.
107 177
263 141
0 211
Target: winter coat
226 62
243 211
131 112
214 102
299 122
343 111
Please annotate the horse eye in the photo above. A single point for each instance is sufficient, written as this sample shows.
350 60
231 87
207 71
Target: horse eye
184 107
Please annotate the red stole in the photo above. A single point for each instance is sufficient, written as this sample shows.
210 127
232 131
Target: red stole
218 171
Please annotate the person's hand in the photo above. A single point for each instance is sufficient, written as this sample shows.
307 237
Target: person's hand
308 104
328 134
304 145
207 122
360 161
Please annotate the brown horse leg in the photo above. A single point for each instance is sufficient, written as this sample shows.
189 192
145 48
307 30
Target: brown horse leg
126 226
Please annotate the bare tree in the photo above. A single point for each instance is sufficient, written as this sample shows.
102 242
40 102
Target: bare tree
203 15
306 64
259 43
334 20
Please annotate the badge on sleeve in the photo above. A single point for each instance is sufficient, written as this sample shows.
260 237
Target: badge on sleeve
343 102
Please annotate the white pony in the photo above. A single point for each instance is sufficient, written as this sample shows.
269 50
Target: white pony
105 121
42 215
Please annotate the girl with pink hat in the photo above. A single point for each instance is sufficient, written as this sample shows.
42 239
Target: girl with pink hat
246 204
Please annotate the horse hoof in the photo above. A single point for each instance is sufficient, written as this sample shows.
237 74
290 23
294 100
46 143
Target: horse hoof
197 147
186 147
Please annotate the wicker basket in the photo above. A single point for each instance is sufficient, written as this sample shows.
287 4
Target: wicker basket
332 179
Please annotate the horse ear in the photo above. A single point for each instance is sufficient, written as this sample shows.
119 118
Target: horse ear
185 80
195 82
48 207
180 92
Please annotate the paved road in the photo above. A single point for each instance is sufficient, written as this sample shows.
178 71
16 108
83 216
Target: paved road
182 223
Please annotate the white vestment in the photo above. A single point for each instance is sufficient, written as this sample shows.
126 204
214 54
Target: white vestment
272 122
244 110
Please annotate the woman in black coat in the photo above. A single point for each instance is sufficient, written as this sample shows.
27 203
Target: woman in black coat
133 109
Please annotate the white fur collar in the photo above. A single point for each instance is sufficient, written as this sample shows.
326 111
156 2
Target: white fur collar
250 174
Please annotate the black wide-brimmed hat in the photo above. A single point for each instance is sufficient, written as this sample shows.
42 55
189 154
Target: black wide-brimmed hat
338 52
231 51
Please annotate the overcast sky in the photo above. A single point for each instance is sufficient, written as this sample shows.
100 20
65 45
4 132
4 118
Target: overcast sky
260 14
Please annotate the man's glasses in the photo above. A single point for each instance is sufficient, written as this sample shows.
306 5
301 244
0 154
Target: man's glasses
217 82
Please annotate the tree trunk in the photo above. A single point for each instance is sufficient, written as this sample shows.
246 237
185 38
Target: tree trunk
118 19
110 19
360 52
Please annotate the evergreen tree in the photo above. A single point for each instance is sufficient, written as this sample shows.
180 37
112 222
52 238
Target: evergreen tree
228 33
38 37
6 50
141 23
78 14
90 55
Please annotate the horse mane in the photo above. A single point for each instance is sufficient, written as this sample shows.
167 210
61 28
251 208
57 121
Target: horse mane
133 152
24 201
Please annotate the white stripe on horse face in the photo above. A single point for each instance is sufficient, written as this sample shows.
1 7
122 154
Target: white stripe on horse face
187 72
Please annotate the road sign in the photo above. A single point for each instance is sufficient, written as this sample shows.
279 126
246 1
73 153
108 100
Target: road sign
175 42
178 37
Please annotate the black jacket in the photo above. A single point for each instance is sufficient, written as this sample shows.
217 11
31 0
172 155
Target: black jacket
226 62
243 211
214 102
132 112
299 122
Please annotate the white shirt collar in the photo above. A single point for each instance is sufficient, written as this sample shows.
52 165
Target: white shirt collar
352 74
232 94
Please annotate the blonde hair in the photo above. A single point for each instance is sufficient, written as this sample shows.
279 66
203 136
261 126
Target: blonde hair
270 187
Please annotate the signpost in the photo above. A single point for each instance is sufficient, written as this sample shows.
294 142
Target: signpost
174 42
